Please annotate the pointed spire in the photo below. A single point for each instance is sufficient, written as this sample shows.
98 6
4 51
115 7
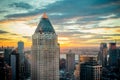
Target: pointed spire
44 15
44 25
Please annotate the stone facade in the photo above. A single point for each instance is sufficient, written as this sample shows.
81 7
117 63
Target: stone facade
45 54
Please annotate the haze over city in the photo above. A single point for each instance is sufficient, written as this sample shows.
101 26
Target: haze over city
80 23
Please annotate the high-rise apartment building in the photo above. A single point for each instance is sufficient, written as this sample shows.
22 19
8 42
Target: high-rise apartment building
45 52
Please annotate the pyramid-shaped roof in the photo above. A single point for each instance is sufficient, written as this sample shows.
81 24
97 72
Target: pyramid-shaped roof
45 25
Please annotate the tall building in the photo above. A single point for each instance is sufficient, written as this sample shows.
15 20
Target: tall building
7 52
27 68
86 58
90 70
5 70
45 52
113 54
102 55
70 58
21 59
14 63
21 51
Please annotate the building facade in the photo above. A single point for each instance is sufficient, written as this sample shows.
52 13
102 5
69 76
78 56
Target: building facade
5 70
113 54
90 71
102 55
14 63
45 52
21 59
7 52
70 61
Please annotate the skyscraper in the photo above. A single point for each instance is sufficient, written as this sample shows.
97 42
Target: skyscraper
21 59
5 70
70 58
45 52
21 51
113 54
14 63
90 70
7 52
102 55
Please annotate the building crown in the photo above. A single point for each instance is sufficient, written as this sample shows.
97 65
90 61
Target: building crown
44 25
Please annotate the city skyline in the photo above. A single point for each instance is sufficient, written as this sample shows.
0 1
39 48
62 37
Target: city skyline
78 24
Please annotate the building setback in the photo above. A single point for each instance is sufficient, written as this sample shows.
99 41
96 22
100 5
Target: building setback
45 52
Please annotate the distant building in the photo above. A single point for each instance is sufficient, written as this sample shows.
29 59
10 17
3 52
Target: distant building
45 52
62 64
86 57
70 61
21 59
14 63
90 71
77 72
102 55
21 51
27 68
7 52
5 70
113 54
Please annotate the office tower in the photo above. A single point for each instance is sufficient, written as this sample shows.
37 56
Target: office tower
45 52
90 70
113 54
102 55
86 58
70 60
27 68
1 67
21 51
21 59
5 70
7 52
14 63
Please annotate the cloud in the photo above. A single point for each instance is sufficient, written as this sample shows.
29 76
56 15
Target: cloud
28 37
3 11
21 5
17 15
59 11
3 32
4 39
14 34
106 3
108 16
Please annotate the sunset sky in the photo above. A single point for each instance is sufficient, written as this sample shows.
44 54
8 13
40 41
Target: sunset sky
78 23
